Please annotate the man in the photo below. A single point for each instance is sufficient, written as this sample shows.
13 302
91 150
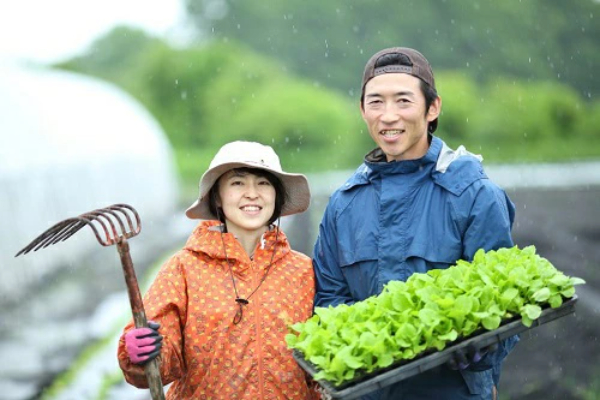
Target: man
413 205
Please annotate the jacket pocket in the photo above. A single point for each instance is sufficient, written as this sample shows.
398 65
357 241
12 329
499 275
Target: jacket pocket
360 269
436 253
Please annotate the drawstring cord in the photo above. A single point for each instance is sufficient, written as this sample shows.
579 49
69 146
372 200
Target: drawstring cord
239 300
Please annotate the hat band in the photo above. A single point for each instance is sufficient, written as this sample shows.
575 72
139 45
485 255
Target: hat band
393 68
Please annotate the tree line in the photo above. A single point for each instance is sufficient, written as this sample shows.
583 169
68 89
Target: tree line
225 87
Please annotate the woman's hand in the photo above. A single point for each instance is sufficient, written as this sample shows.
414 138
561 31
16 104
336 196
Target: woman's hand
143 344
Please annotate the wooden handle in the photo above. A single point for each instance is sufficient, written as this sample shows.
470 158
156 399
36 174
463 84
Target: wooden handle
151 368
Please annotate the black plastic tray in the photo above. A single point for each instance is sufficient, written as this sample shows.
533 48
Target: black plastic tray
405 369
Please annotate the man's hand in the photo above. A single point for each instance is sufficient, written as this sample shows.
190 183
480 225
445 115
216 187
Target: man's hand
461 359
143 344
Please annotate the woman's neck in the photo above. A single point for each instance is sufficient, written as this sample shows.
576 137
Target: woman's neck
248 239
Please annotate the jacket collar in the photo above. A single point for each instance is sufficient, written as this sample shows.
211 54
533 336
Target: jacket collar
207 239
375 163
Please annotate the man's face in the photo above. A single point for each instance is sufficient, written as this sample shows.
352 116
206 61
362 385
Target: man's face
394 111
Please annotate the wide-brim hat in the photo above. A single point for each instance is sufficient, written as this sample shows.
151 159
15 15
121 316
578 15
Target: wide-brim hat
241 154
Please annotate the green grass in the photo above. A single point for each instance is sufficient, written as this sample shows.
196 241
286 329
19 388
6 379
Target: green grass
65 379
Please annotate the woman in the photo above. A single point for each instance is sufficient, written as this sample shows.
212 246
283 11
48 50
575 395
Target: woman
220 308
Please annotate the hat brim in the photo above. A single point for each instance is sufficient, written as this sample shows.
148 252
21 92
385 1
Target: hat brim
296 187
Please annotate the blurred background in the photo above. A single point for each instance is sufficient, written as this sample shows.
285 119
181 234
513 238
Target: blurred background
127 103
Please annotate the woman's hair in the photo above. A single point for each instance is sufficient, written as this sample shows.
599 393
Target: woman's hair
280 192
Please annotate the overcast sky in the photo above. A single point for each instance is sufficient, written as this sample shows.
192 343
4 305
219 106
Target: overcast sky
46 31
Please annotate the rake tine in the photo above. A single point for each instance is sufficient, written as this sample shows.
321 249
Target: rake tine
133 211
119 219
125 214
48 235
90 222
65 233
81 222
133 230
94 216
101 217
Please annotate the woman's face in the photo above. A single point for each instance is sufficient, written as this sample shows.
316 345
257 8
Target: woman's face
247 200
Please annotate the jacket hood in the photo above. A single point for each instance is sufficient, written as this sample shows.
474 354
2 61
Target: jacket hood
208 239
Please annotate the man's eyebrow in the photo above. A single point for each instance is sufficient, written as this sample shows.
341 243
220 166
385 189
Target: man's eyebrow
401 93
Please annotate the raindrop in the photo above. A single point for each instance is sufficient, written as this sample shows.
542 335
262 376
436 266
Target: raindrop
239 26
184 94
287 139
176 81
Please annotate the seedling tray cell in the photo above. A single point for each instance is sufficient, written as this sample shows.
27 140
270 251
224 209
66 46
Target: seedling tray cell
375 380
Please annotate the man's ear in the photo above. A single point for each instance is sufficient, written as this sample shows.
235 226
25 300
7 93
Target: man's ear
434 109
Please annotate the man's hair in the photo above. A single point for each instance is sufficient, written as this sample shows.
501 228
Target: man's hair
280 193
429 93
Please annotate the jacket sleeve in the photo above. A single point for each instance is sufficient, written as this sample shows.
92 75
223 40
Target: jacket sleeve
332 288
165 303
488 227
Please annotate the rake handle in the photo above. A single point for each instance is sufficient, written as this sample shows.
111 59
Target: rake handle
151 368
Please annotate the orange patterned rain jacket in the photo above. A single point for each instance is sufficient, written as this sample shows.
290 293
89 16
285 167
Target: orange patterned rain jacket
204 353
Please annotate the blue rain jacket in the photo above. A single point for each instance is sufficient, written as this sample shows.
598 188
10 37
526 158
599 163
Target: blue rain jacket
392 219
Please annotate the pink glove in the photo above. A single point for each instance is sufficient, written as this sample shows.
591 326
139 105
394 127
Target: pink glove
143 344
